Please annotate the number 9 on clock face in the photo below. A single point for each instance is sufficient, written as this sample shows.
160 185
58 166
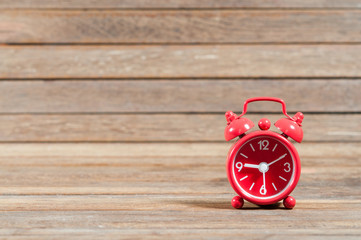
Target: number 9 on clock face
263 168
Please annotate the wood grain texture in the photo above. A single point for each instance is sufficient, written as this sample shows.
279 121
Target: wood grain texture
111 116
154 201
227 26
157 191
180 61
177 96
158 154
176 4
103 225
328 183
159 127
328 173
152 225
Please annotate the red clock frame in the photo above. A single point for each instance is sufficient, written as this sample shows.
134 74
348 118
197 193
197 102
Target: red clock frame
237 126
292 182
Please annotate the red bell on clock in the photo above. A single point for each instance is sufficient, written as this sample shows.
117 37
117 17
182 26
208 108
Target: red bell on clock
263 167
292 127
236 126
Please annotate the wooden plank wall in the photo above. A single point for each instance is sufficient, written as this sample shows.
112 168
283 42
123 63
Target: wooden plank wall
136 70
92 90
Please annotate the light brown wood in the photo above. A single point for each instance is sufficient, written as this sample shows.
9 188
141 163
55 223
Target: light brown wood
156 179
138 190
159 154
154 201
142 174
119 169
189 4
116 224
227 26
177 96
104 225
159 127
112 116
180 61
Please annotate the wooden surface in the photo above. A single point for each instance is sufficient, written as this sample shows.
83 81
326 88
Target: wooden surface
112 116
177 95
169 190
199 61
159 26
176 4
158 127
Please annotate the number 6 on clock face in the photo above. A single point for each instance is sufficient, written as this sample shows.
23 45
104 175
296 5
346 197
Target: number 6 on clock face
263 190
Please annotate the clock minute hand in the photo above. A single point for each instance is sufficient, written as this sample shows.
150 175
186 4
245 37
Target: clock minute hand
251 165
284 155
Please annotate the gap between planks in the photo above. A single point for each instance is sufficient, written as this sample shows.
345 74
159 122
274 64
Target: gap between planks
152 202
160 127
100 150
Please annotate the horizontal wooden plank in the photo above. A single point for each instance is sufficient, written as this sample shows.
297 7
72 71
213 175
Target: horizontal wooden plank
131 202
164 224
177 96
118 169
337 183
229 26
159 154
174 233
159 127
118 176
118 224
180 61
190 4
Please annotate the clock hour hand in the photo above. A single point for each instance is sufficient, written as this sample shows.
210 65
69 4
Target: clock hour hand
251 165
284 155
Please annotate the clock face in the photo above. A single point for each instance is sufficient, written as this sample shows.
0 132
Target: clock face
263 168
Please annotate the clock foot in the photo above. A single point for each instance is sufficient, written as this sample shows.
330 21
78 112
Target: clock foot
289 202
237 202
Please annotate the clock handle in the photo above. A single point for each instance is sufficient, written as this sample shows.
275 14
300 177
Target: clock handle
272 99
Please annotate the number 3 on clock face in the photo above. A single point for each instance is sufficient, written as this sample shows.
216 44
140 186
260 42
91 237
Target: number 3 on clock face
263 168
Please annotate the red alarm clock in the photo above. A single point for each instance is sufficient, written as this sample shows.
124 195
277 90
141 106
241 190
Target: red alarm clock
263 167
